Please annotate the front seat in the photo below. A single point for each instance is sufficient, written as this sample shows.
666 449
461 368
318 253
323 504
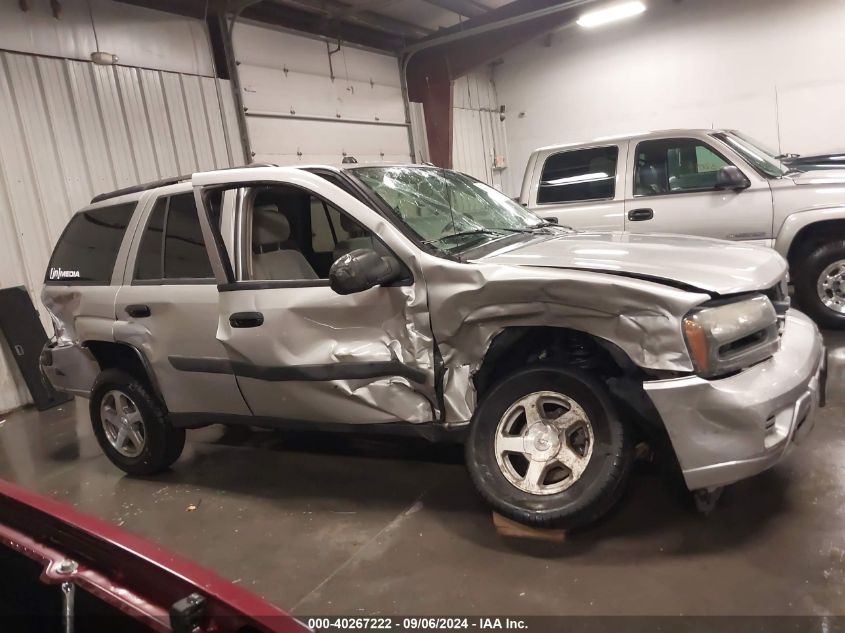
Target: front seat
270 260
358 238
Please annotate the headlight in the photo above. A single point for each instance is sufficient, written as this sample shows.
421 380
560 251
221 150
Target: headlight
727 335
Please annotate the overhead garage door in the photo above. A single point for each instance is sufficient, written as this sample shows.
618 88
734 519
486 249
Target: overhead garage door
308 101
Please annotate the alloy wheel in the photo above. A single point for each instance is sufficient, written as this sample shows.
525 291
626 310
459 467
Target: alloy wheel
544 442
122 423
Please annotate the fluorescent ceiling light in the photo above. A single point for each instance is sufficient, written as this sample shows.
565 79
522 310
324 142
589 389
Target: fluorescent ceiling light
610 14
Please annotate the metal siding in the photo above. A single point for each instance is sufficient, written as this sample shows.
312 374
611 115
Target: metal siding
70 130
478 133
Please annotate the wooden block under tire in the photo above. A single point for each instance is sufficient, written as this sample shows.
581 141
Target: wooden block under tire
506 527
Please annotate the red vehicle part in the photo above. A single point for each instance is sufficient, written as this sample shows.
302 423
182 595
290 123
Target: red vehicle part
158 589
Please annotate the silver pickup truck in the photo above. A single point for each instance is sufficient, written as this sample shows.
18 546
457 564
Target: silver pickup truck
711 183
412 299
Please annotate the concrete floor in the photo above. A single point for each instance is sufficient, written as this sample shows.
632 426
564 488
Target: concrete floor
322 524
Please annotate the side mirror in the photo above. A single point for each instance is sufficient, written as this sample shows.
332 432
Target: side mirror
730 177
361 270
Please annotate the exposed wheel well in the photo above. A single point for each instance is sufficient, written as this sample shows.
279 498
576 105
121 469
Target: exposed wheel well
516 347
111 355
814 235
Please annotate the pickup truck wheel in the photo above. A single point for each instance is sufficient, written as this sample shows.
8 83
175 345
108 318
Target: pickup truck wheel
547 448
820 285
131 425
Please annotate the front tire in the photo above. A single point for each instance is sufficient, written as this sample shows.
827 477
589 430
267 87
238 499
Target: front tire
131 425
820 285
547 448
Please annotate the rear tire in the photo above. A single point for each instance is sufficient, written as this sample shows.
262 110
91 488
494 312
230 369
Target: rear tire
131 425
577 424
820 285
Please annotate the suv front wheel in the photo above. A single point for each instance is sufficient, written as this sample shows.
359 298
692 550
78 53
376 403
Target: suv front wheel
820 285
547 448
131 425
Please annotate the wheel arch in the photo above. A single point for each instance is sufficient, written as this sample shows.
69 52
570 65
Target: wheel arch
803 232
120 355
519 346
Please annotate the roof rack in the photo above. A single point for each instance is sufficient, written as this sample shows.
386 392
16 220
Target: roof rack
155 184
137 188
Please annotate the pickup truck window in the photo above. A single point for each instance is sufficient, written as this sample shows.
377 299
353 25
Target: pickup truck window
676 165
577 175
87 249
757 156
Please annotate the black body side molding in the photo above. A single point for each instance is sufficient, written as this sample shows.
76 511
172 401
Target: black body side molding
325 372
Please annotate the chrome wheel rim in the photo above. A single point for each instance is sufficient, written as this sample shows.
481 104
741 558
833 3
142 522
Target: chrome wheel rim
122 423
831 286
544 442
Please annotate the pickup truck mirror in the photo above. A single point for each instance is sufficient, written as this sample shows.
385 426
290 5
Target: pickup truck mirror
361 270
730 177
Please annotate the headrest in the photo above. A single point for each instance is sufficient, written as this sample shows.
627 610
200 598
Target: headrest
268 225
350 226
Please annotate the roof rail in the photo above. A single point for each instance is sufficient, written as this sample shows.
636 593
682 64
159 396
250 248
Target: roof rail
155 184
137 188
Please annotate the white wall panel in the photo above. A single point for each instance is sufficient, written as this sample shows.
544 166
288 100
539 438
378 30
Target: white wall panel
304 106
478 132
69 130
772 68
138 36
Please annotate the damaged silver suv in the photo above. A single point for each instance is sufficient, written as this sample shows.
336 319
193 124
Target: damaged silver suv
416 299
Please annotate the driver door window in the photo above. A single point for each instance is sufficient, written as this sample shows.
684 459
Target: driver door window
294 235
669 166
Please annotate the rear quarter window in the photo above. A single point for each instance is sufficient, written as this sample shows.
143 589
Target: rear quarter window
87 249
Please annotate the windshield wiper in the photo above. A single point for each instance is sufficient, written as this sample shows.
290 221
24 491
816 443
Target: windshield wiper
461 234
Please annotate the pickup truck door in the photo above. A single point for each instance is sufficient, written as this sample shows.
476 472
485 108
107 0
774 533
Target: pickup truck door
581 187
298 350
671 188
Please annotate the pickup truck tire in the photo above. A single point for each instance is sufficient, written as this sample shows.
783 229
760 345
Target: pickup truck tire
131 425
820 274
574 457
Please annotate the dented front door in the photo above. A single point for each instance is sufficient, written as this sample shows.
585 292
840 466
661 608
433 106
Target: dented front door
320 356
302 352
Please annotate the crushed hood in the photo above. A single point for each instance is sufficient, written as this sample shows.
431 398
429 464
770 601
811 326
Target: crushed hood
715 266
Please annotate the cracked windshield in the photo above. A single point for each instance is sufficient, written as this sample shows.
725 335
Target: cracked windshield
446 209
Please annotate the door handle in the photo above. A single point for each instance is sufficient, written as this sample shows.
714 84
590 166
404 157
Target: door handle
138 310
638 215
246 319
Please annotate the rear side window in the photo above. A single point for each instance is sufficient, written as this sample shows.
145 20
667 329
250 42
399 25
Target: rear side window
581 174
172 246
87 250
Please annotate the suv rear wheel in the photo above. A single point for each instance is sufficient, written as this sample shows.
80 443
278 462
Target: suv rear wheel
547 448
131 425
820 284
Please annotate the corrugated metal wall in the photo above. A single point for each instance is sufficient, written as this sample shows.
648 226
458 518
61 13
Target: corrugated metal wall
478 133
71 129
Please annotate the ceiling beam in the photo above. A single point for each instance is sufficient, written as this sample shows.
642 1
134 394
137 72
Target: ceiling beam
365 5
330 9
466 8
309 22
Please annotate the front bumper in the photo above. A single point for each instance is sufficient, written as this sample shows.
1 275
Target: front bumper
728 429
